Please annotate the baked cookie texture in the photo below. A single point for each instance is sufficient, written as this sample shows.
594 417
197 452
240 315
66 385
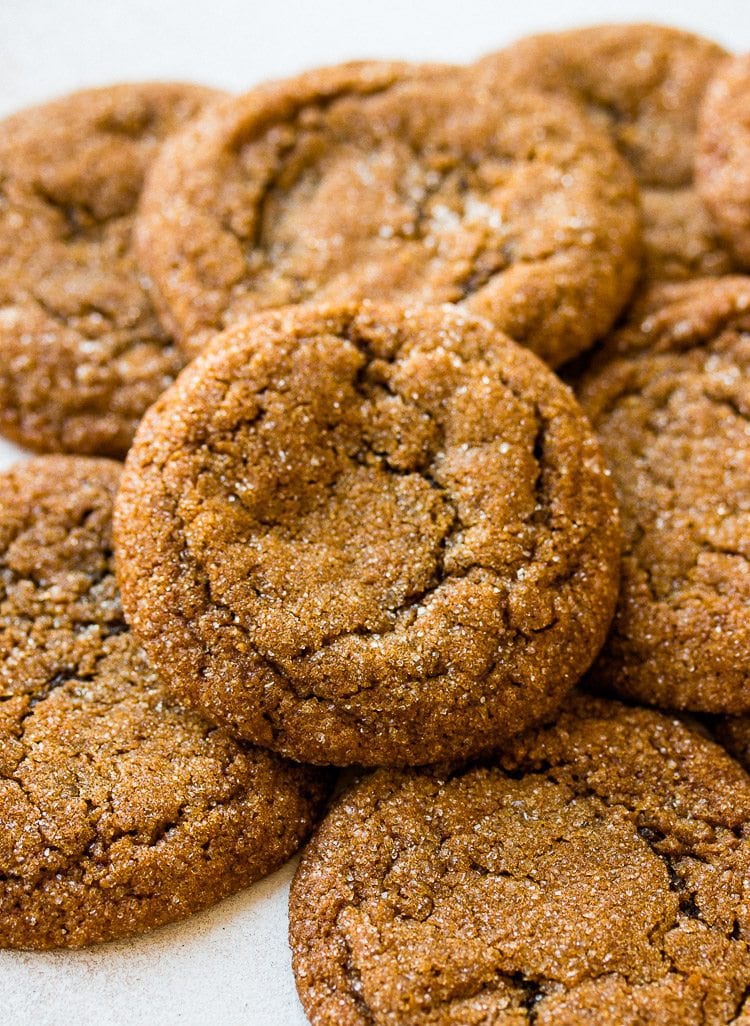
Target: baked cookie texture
358 534
723 154
594 871
680 240
641 84
120 811
82 353
734 733
670 402
382 181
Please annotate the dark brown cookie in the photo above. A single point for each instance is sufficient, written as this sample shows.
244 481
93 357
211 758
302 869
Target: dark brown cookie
368 535
669 397
82 354
380 181
723 157
596 872
642 84
119 811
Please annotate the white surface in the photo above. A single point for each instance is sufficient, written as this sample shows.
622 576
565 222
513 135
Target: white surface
231 964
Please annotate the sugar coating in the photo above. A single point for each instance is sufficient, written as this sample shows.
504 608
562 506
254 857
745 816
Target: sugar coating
641 84
669 399
381 181
82 353
120 811
358 534
594 872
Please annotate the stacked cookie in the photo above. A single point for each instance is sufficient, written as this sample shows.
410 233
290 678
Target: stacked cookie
367 525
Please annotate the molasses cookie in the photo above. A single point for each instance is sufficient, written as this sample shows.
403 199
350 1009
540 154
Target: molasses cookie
119 810
82 354
642 84
669 398
594 872
412 185
723 158
359 534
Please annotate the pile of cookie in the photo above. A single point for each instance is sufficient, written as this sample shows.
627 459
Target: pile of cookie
362 522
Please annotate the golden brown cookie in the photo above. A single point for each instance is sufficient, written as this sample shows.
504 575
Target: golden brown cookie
358 534
82 353
594 872
119 811
642 84
669 398
377 181
723 154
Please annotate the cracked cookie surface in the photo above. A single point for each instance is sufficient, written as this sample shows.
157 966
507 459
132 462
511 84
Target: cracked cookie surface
82 353
594 872
408 185
723 155
670 402
642 84
359 534
120 811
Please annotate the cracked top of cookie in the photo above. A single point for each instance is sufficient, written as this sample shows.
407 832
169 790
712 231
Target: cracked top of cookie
82 353
669 398
364 534
595 871
120 811
412 184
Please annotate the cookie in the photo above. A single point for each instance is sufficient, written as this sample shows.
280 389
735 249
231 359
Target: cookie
82 353
120 811
359 534
594 872
642 84
670 402
376 181
723 151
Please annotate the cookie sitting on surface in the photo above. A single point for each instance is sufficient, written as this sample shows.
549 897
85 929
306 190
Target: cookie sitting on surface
363 534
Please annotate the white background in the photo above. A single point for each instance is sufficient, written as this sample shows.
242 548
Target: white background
231 965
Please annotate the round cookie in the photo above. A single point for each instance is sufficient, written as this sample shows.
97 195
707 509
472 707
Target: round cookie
359 534
642 84
120 811
596 871
669 399
406 185
723 154
82 353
